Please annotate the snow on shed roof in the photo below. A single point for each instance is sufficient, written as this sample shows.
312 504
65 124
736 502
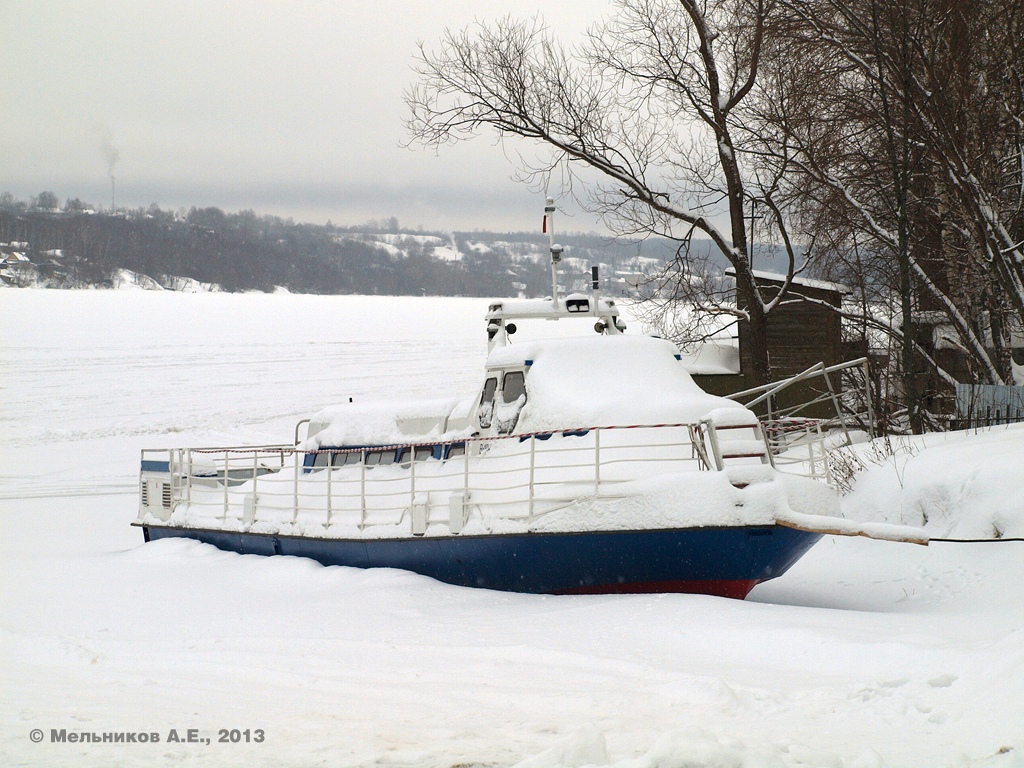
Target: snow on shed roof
821 285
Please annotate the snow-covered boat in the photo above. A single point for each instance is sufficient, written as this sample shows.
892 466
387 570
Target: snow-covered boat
587 464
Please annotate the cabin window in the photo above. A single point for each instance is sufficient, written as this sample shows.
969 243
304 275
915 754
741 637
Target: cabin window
382 458
513 398
489 386
513 387
349 457
486 409
419 453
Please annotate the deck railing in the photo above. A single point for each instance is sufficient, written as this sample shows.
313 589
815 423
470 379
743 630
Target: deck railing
843 390
516 477
799 446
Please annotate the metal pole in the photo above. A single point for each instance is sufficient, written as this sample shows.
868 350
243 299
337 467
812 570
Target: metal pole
225 485
295 487
762 433
533 444
867 395
412 478
835 404
810 452
597 461
255 474
549 220
362 489
822 451
716 449
330 471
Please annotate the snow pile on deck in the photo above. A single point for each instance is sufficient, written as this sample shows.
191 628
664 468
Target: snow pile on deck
386 423
571 383
697 499
955 485
738 496
606 380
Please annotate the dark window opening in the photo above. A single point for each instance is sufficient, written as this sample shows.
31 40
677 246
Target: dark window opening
379 458
489 386
344 459
486 409
514 386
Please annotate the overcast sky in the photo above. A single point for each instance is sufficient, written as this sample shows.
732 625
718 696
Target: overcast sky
290 108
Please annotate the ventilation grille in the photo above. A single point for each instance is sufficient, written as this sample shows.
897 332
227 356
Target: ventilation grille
159 493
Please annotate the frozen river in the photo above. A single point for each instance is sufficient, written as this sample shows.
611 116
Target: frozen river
865 654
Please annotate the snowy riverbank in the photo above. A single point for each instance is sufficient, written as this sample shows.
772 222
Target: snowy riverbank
865 654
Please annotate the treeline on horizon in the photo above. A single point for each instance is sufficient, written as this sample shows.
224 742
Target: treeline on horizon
246 251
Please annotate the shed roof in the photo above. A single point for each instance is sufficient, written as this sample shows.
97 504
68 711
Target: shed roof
775 277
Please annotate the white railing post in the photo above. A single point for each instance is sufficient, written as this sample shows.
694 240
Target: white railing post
597 460
533 453
716 449
362 489
412 478
226 459
824 459
172 469
330 471
255 474
837 407
188 476
698 446
810 451
295 486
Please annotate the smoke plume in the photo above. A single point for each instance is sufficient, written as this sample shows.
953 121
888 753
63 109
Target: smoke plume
111 155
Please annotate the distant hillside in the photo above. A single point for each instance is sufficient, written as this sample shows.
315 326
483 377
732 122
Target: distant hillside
206 248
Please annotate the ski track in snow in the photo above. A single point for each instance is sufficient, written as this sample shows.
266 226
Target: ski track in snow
865 654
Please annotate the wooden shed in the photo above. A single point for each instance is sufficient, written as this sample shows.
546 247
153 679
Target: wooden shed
805 329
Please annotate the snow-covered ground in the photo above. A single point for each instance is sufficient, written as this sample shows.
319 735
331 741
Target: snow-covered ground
865 654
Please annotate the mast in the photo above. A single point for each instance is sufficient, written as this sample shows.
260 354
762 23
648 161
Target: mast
556 249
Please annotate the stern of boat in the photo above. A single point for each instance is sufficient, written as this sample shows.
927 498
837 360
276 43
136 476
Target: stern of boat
156 486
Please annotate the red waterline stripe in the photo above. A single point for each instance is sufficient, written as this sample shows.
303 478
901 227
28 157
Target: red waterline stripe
734 588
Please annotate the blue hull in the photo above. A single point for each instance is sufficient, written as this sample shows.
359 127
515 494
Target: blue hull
716 561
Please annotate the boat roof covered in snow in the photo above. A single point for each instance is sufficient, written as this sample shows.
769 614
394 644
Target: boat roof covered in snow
606 380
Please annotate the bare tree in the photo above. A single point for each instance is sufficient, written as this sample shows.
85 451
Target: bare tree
900 123
654 102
